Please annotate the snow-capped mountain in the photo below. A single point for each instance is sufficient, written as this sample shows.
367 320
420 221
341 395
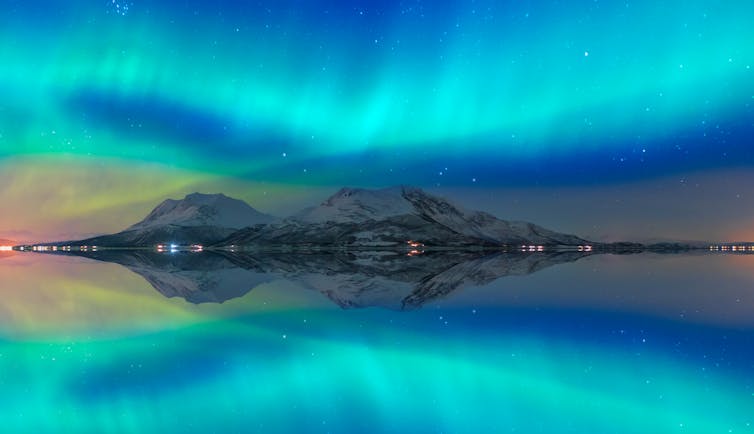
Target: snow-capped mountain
390 217
197 209
352 217
196 219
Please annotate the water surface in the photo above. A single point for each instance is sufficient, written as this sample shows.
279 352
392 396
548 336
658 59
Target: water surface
141 342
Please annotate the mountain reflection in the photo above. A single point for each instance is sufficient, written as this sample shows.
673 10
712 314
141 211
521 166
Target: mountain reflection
350 279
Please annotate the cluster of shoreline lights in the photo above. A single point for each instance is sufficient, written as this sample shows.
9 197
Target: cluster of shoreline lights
173 248
541 248
57 248
161 248
725 248
417 248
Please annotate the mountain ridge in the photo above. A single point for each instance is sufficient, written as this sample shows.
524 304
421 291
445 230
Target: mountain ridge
394 217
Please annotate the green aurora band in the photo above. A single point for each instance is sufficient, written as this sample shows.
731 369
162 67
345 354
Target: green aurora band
104 113
199 85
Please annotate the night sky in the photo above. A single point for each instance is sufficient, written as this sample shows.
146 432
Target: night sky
611 120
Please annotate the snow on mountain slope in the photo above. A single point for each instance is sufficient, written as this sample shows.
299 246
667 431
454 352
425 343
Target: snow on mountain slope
356 206
198 209
481 224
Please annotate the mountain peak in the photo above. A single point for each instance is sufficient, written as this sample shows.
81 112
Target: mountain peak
357 205
204 196
206 199
201 209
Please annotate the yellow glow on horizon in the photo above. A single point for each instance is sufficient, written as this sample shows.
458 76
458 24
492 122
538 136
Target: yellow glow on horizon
105 195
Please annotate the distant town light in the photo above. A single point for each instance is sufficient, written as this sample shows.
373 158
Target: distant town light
737 249
197 248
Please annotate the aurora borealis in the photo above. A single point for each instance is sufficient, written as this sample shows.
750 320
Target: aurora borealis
280 102
613 121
